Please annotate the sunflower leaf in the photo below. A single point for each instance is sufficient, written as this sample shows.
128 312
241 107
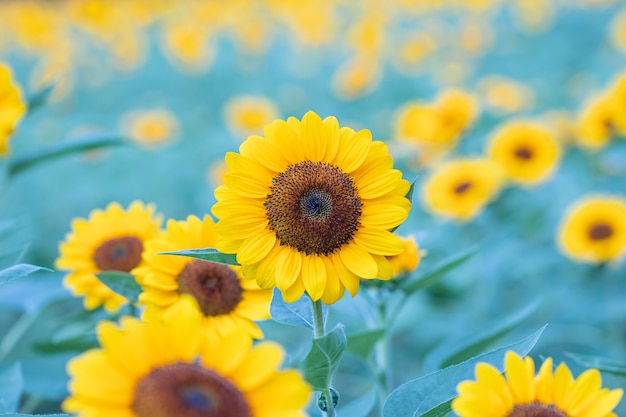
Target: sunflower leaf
415 284
11 385
121 283
208 254
610 366
409 194
362 343
298 313
18 271
361 406
426 396
39 98
83 143
322 360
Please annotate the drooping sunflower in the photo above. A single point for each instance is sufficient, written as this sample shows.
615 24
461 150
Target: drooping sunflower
521 393
527 152
309 207
12 107
225 299
110 239
172 367
459 189
594 229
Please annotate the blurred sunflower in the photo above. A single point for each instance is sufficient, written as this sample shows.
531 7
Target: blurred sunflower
594 229
597 122
460 189
150 128
409 259
172 368
247 115
225 299
309 207
112 239
12 107
527 153
521 393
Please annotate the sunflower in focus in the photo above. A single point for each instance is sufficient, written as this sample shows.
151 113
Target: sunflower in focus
225 299
521 393
594 229
309 207
110 239
171 367
247 115
460 189
12 107
527 153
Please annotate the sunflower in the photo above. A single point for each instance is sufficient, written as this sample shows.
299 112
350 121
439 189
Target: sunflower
12 107
309 207
112 239
459 189
409 259
246 115
594 229
172 368
521 393
150 128
527 152
225 299
597 122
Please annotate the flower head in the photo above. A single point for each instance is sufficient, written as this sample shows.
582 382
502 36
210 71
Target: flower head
521 393
225 299
597 122
309 207
150 128
248 115
111 239
409 259
171 367
527 153
12 107
594 229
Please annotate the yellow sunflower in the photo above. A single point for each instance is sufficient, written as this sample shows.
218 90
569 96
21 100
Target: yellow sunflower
527 152
521 393
172 368
150 128
225 299
12 107
594 229
246 115
597 122
112 239
409 259
459 189
309 207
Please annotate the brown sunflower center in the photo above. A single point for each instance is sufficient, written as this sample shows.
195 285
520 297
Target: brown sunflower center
462 187
118 254
188 390
313 207
215 286
523 153
600 231
536 410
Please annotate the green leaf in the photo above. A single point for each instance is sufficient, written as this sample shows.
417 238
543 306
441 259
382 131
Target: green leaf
18 271
50 152
322 360
362 343
428 394
298 313
409 194
466 345
73 344
413 285
610 366
11 385
39 98
122 283
208 254
362 406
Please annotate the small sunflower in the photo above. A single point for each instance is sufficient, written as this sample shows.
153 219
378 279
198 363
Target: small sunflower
12 107
225 299
527 152
594 229
247 115
596 122
459 189
150 128
309 207
112 239
521 393
409 259
172 368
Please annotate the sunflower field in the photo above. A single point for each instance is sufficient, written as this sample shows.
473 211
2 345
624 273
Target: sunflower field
291 208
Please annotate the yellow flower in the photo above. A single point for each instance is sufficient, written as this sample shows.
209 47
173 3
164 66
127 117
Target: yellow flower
112 239
460 189
527 152
188 45
502 95
618 31
594 229
356 77
225 299
596 122
309 207
519 393
12 107
413 49
150 128
409 259
247 115
617 94
172 367
457 110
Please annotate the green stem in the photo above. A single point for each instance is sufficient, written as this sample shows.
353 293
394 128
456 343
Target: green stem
15 333
31 404
383 352
330 412
318 331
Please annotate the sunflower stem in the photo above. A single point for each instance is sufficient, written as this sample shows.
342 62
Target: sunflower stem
318 319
